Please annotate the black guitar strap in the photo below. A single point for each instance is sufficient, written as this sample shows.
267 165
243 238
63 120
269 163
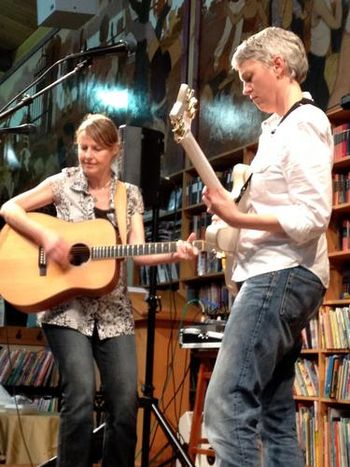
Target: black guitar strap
243 189
302 101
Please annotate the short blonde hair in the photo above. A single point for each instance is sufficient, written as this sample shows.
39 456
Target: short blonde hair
271 42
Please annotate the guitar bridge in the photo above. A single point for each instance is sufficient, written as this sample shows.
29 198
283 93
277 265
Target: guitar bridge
42 262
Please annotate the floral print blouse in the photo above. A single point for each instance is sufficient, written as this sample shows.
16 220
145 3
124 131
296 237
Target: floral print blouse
111 313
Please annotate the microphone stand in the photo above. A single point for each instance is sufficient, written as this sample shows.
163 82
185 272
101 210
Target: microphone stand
148 401
26 101
29 99
26 128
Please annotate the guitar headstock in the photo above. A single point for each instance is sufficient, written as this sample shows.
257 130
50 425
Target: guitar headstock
183 112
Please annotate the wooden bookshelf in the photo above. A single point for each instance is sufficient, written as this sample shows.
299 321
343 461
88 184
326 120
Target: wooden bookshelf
27 366
190 283
330 346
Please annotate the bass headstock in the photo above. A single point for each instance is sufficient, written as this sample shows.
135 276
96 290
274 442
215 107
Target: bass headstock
183 112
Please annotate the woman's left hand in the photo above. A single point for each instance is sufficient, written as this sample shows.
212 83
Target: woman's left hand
186 249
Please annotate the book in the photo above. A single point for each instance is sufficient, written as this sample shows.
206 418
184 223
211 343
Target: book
328 375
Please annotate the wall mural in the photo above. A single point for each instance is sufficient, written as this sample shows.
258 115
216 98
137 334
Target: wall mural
324 26
140 90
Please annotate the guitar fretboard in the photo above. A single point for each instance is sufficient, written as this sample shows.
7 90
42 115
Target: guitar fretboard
126 251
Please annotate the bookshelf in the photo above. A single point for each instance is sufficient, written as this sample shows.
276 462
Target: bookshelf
322 396
36 424
27 367
323 417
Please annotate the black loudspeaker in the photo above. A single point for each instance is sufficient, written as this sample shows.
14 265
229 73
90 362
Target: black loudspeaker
63 14
345 101
140 160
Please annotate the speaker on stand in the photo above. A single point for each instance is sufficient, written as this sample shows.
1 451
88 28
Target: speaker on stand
140 160
140 164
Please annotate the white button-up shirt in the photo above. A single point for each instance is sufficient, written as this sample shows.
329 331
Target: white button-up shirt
292 180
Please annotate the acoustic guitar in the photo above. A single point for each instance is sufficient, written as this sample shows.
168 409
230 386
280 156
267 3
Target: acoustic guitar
223 237
32 283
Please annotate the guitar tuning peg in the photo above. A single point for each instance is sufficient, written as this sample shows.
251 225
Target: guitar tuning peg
178 128
192 107
190 93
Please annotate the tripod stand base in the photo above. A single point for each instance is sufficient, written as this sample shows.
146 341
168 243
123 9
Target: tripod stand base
149 406
97 440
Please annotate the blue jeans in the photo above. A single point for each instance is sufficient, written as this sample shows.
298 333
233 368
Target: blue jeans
115 357
249 410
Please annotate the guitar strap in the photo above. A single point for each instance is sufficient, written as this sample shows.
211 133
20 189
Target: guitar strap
243 189
120 201
302 101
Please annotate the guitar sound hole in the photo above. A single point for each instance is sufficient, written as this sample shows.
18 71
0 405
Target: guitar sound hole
79 254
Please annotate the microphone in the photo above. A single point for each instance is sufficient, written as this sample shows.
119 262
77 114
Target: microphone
121 47
26 128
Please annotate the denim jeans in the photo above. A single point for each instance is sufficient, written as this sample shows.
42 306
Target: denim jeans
74 354
249 409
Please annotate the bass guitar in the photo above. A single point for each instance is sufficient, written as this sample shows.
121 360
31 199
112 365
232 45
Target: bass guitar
223 237
32 283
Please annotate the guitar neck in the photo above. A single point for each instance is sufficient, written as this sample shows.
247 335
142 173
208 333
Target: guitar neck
128 251
199 161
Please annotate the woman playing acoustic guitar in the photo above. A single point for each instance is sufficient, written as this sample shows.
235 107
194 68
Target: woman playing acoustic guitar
87 329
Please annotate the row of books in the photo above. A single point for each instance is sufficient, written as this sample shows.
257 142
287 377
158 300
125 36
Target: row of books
306 422
21 366
175 200
47 404
167 231
166 274
193 193
345 286
344 235
167 207
341 135
337 377
335 327
199 224
208 263
336 434
194 187
309 335
214 297
306 378
341 188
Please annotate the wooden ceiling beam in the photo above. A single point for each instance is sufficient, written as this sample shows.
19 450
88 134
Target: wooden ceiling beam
20 11
18 20
13 33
